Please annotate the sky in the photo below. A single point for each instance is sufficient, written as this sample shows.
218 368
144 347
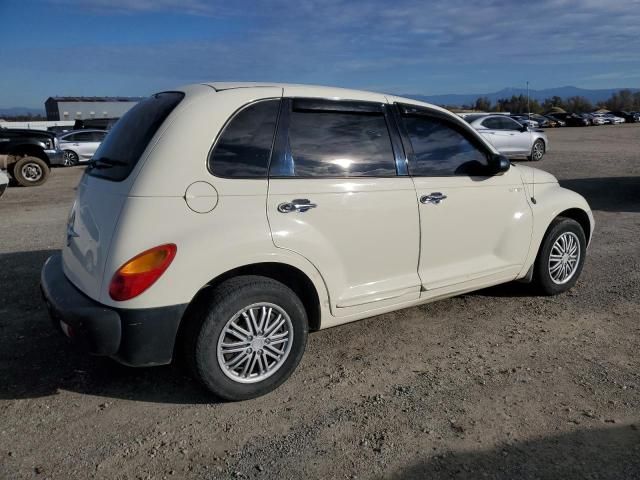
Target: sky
137 47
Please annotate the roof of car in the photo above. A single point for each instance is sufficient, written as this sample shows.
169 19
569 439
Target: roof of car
329 92
83 130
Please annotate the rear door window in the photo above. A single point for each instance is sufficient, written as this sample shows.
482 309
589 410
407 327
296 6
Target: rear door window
122 148
351 141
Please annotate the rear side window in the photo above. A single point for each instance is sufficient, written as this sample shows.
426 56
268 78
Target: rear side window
441 149
120 151
244 148
340 144
83 137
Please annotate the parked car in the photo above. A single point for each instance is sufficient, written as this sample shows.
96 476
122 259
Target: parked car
510 137
292 208
80 145
628 117
4 181
524 120
612 119
95 124
543 122
557 121
593 120
572 119
28 155
59 129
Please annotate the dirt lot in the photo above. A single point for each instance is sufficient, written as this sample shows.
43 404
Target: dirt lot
495 384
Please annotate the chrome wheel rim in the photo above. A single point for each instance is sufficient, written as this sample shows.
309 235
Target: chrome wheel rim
69 159
31 172
538 151
564 258
255 343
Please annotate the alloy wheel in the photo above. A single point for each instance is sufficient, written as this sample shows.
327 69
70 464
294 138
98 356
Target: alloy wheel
564 258
255 343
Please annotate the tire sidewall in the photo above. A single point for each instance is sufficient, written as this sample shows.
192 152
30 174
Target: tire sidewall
537 142
557 228
220 312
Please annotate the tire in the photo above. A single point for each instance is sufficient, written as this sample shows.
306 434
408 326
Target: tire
206 332
548 281
30 171
70 158
537 150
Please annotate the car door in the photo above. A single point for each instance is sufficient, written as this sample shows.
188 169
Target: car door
95 140
475 227
84 145
521 140
491 129
335 197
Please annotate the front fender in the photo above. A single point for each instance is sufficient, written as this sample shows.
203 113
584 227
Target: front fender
551 200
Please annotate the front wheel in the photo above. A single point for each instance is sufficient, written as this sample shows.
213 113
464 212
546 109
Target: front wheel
30 171
561 257
537 151
247 338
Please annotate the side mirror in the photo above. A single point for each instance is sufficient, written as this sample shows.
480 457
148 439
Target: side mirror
524 128
498 164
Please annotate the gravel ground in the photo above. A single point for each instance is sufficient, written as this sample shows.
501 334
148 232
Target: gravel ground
494 384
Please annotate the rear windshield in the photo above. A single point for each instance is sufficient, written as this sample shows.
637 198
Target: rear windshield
123 146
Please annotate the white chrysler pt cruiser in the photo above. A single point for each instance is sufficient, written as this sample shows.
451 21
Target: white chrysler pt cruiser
221 222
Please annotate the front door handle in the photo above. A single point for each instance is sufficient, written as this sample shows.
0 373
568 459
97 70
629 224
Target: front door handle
434 197
297 205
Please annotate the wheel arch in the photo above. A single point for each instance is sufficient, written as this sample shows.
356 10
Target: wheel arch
27 151
579 216
287 274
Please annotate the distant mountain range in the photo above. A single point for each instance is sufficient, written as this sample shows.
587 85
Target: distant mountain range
14 111
457 99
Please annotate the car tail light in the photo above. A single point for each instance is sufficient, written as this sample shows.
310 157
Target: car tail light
139 273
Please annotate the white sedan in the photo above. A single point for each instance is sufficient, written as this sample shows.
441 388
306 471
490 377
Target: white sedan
80 145
510 137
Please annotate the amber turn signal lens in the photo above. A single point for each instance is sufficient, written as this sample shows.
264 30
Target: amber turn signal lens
139 273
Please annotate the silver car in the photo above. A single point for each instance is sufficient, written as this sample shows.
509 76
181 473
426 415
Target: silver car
510 137
80 145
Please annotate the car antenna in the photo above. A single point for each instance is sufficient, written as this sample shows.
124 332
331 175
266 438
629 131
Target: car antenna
533 187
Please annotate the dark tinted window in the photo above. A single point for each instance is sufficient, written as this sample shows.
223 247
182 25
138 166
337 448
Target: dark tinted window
119 153
98 136
440 148
501 123
492 123
340 144
69 138
244 147
83 137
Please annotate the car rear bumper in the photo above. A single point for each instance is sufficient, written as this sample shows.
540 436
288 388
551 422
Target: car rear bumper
56 157
135 337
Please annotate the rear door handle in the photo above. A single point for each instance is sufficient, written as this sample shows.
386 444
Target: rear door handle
296 205
434 197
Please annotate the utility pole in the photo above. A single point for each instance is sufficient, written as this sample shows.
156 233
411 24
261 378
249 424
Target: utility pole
528 107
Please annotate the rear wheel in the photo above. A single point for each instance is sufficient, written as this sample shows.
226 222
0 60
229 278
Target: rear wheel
537 151
247 338
70 158
30 171
561 257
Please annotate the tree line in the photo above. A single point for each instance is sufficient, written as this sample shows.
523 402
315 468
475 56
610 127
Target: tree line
622 100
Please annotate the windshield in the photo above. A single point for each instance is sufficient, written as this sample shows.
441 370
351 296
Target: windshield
121 149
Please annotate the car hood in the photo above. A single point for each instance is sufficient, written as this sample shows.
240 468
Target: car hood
535 175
